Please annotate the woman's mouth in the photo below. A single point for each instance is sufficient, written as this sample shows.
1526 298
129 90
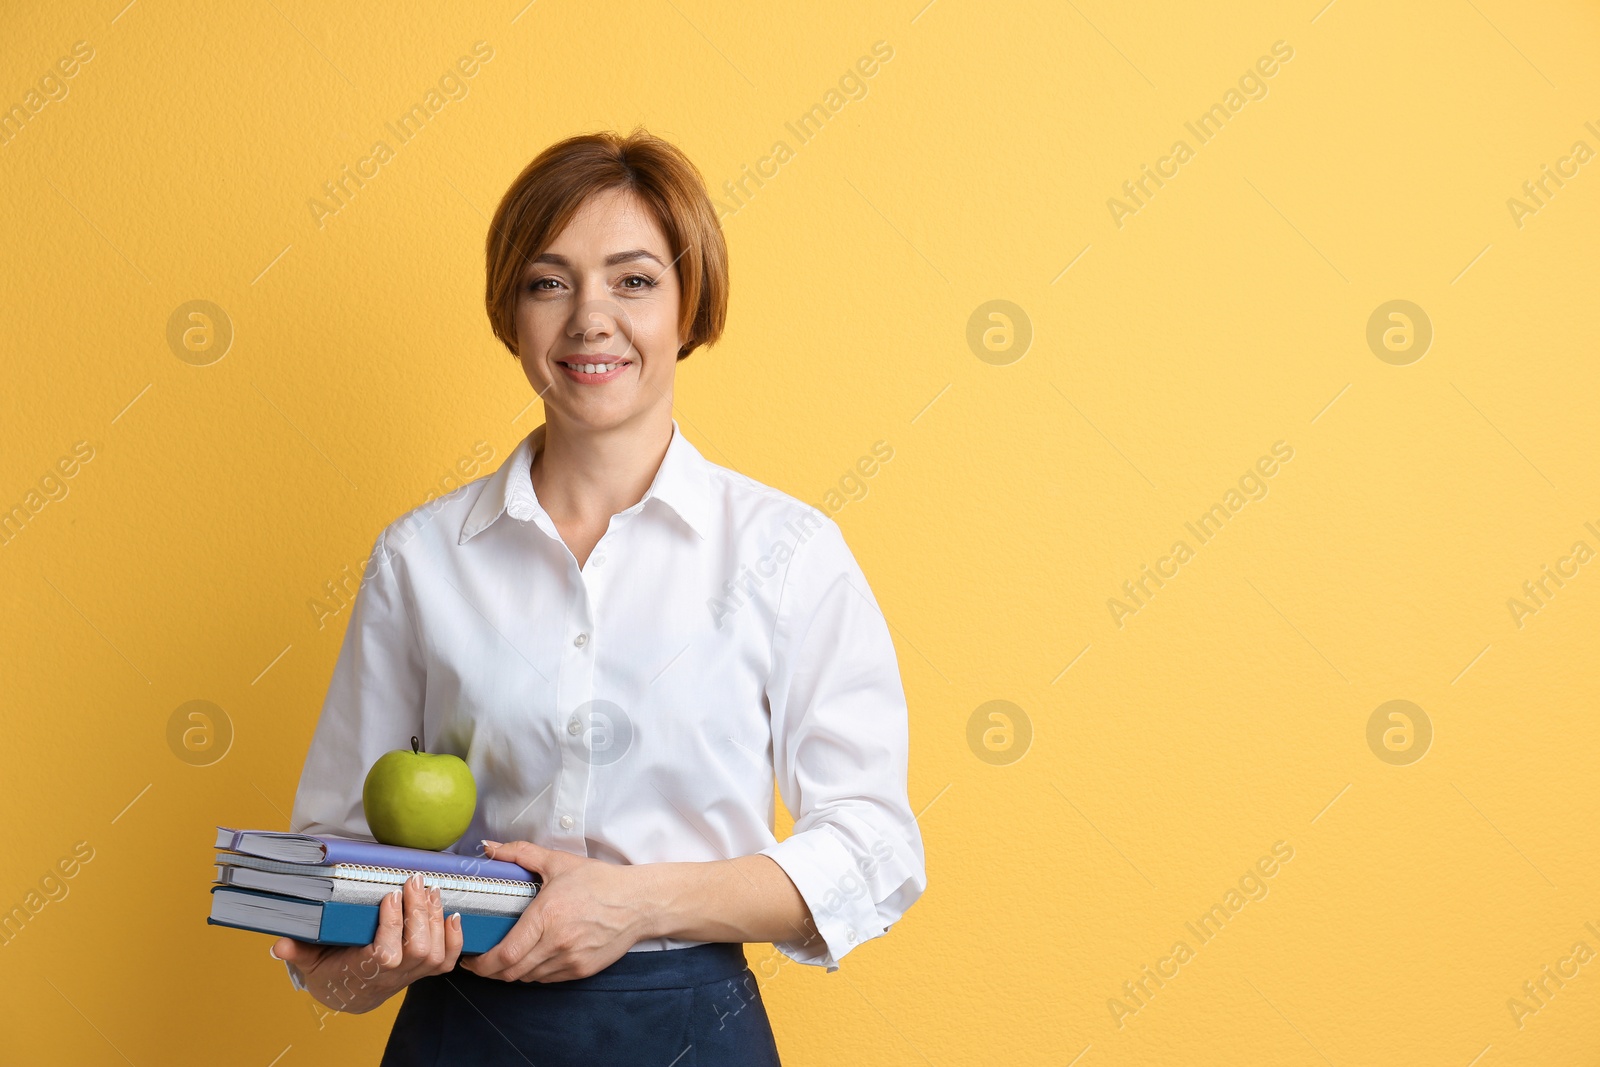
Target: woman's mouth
594 373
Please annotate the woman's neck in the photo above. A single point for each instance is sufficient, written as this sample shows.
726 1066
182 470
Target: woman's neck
584 477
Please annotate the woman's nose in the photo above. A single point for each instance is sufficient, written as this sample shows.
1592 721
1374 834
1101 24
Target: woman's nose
592 324
597 320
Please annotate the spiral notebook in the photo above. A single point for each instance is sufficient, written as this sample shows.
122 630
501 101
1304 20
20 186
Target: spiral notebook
350 883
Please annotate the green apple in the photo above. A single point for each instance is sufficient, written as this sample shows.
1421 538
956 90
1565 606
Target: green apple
418 799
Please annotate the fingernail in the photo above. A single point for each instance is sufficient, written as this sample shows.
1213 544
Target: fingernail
455 917
486 843
271 952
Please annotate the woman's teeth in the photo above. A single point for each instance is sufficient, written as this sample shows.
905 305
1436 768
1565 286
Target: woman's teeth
595 368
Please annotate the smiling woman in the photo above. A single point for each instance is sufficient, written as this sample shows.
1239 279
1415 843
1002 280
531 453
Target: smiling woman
547 624
641 172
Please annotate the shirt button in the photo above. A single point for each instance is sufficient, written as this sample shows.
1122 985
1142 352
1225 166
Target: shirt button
850 935
598 560
573 726
581 640
566 822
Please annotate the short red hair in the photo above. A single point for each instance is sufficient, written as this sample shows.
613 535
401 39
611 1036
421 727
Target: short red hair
548 193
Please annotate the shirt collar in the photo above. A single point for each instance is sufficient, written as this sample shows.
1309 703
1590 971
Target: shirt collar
682 483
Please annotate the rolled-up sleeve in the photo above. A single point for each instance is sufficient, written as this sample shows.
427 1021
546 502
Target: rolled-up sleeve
840 749
374 705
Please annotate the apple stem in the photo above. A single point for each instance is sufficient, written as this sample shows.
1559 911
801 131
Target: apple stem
416 746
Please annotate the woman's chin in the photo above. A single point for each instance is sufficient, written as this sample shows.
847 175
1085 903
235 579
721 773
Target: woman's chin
596 414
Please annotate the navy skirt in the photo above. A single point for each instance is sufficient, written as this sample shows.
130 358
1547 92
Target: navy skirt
680 1007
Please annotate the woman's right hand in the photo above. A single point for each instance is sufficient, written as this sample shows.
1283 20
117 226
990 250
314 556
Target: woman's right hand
357 978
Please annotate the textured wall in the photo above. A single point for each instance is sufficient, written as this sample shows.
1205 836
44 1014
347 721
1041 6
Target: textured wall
1196 501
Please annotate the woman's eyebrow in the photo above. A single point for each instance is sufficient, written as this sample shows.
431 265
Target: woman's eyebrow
611 261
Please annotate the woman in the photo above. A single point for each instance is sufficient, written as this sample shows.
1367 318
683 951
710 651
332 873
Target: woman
627 644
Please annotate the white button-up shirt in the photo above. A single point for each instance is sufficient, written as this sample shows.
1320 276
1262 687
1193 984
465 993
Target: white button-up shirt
637 709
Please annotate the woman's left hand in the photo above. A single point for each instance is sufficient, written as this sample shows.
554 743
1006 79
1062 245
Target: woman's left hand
585 916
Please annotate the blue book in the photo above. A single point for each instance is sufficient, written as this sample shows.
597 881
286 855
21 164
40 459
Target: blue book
331 922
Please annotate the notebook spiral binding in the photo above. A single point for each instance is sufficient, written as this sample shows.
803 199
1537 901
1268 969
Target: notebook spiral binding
398 875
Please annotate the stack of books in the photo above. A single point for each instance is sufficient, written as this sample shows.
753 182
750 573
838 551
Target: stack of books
326 889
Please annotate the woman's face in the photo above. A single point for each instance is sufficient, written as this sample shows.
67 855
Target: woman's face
604 296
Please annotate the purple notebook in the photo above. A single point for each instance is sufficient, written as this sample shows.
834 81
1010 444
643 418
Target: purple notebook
320 848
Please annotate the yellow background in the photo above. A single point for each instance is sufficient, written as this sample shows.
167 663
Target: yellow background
1229 313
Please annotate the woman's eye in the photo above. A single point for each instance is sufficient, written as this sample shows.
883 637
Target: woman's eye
634 282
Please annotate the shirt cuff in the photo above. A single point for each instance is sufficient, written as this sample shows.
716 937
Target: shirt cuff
840 899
